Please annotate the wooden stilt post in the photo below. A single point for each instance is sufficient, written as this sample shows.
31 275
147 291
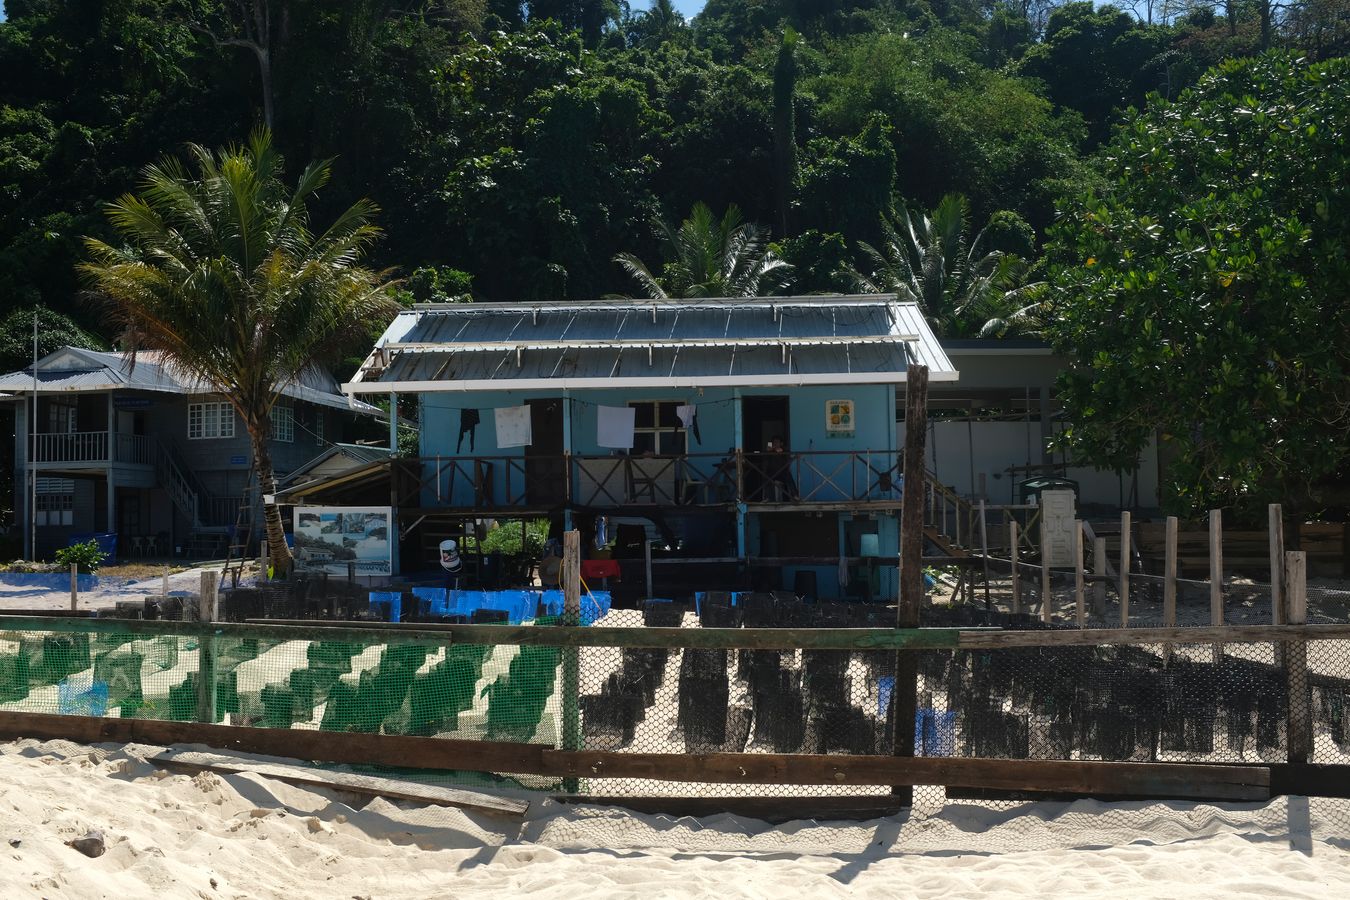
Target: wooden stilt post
1125 557
984 552
206 651
164 584
1216 575
74 586
571 658
1079 601
1276 524
1099 568
1170 575
1047 614
1014 555
1300 732
904 698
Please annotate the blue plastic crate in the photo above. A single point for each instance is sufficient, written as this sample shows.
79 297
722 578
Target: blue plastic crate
436 600
390 604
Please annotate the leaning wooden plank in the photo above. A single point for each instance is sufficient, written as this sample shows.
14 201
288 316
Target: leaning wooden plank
769 809
317 746
344 781
1182 780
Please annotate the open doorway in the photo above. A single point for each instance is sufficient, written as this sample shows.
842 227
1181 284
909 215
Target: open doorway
764 420
545 475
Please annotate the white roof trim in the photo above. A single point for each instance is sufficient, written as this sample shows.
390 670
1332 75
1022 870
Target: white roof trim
673 302
534 384
658 344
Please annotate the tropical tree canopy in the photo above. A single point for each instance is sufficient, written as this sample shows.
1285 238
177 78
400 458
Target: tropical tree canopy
224 274
1202 292
710 258
962 287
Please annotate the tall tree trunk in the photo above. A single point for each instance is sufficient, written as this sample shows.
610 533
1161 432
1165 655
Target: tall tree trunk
785 127
279 554
1266 14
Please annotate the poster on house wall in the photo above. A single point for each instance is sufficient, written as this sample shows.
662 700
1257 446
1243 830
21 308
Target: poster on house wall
329 538
1057 510
839 420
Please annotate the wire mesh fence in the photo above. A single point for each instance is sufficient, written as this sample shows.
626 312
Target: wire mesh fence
1178 702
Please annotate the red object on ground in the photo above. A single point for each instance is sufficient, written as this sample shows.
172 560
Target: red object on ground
599 568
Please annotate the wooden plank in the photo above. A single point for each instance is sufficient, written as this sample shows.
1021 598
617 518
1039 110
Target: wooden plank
351 782
904 697
1170 575
1216 567
1015 556
74 587
1125 565
1100 568
316 746
571 656
1079 598
993 640
1299 729
984 552
774 810
206 658
1310 780
1047 614
1275 522
1182 780
1170 779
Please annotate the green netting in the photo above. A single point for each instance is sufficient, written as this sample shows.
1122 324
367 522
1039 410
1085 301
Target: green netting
1183 702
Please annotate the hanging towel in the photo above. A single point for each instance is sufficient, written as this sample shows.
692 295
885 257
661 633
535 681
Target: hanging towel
614 427
689 419
468 422
513 426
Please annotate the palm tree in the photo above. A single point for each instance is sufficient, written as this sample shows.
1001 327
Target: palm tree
708 258
960 287
223 275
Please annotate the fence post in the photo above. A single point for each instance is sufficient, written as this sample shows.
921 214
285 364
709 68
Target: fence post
1016 575
647 553
571 656
1079 601
1276 526
984 550
1047 615
1099 567
206 650
164 584
263 557
904 693
1125 560
1216 575
74 586
1300 736
1170 575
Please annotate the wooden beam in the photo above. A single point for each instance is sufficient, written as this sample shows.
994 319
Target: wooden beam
571 656
1047 613
774 810
1170 575
904 694
350 782
1079 598
994 640
206 649
1216 567
1299 729
1275 523
1015 556
1099 566
1181 780
1125 560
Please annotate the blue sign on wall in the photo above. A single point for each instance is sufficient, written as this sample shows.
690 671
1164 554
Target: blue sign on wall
238 460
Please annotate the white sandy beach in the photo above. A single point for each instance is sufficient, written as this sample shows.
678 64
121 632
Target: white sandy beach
209 836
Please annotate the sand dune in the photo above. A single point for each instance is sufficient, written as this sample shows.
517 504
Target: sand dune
174 835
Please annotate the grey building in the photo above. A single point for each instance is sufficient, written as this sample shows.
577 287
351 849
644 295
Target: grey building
146 453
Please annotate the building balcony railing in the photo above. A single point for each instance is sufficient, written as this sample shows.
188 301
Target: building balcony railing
689 480
94 447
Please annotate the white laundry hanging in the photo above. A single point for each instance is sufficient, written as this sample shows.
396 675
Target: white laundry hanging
614 426
513 426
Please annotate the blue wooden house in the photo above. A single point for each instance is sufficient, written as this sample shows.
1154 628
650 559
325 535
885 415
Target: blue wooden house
750 439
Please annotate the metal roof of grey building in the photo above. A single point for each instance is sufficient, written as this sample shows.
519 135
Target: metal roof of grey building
73 369
696 343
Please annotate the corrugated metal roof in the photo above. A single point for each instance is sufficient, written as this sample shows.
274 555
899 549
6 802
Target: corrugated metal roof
804 340
76 369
